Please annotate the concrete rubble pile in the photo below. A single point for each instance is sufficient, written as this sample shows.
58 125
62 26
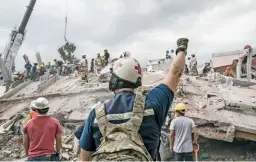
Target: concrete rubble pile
222 107
70 102
220 110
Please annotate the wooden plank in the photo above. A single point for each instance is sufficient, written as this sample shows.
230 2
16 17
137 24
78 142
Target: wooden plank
245 135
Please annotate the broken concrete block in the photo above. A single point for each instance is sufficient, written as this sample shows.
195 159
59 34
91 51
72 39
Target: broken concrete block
66 146
1 137
14 155
6 152
78 116
68 110
65 156
202 104
68 139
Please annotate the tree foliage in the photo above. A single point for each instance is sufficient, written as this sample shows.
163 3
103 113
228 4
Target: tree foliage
66 51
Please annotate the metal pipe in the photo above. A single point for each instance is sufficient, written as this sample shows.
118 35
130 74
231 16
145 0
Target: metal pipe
26 17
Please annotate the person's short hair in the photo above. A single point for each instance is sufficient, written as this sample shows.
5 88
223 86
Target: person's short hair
181 112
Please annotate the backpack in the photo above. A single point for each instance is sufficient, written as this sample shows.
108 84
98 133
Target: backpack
121 142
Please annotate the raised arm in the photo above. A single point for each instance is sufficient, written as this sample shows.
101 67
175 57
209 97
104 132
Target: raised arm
177 66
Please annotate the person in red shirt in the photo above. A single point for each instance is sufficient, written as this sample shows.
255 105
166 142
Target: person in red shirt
228 71
40 133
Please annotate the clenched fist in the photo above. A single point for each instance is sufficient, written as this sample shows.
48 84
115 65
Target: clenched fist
182 44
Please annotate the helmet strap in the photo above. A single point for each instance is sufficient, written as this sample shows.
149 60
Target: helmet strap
117 83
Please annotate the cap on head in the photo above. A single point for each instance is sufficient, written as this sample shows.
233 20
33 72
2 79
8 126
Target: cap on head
180 107
41 103
193 55
105 49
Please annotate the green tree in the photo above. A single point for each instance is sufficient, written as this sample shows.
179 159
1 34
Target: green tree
66 51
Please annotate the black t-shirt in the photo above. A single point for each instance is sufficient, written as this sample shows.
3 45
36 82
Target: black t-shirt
59 63
106 56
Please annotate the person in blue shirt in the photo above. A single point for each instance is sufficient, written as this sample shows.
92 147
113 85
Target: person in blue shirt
126 77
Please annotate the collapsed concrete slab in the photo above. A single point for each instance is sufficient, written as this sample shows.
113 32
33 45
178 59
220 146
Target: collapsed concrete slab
15 90
221 111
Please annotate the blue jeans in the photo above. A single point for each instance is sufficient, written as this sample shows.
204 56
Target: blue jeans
188 156
54 157
40 158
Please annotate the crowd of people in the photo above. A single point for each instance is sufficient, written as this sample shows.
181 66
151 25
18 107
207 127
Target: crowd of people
108 134
64 68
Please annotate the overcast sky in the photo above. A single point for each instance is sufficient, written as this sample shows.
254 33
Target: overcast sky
146 28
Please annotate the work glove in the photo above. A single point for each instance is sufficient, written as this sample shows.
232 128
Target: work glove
182 44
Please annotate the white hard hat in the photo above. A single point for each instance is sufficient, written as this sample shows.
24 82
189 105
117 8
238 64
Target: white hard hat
128 69
32 104
41 103
127 54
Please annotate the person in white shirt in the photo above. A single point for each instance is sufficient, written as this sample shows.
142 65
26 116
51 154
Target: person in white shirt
84 68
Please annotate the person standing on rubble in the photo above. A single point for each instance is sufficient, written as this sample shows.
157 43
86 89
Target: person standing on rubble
59 67
40 134
34 72
127 54
49 66
186 71
41 70
106 57
167 55
193 65
99 63
206 69
32 114
228 72
28 67
92 66
181 134
189 66
84 68
119 117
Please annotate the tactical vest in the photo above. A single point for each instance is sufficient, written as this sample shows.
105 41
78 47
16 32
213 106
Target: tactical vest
121 142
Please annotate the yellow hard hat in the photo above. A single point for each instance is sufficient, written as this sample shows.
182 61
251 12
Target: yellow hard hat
180 107
105 49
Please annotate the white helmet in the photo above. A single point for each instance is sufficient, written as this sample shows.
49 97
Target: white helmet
41 103
32 104
128 71
127 54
